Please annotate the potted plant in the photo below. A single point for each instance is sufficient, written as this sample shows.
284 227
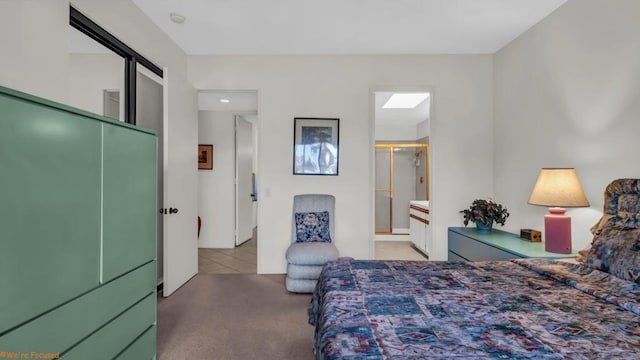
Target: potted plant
484 213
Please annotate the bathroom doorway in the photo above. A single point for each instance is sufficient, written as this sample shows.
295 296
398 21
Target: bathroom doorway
401 176
400 171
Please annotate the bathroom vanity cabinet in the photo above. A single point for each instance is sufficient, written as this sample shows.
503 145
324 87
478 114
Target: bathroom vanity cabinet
419 229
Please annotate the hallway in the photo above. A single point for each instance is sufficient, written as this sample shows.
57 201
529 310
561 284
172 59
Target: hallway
240 260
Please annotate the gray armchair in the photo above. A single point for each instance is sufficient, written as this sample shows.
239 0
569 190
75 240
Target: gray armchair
312 240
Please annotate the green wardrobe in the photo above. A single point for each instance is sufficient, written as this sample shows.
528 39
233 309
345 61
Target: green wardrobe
77 233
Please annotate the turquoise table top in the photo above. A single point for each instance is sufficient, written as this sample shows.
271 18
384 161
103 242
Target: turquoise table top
510 242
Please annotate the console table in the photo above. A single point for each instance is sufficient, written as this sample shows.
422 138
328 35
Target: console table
471 245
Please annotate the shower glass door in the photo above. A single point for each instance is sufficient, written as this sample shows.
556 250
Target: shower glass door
384 191
401 176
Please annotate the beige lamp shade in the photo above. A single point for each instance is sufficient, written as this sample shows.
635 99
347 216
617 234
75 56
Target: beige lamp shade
558 187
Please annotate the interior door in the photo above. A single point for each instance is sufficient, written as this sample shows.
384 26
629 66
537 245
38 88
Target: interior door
244 180
384 190
177 247
180 137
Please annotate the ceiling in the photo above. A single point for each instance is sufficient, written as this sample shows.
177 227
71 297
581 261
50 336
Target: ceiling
226 27
236 27
240 101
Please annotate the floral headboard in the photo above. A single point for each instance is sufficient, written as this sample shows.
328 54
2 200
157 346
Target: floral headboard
616 243
622 203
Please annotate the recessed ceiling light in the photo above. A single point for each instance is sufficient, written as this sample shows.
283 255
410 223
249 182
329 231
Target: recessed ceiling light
405 100
224 100
177 18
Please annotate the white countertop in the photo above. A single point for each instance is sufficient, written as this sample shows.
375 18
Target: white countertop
420 203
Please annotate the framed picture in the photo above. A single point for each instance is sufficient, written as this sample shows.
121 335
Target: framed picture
315 146
205 157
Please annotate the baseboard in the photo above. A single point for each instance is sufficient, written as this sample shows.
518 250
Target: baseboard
392 237
400 231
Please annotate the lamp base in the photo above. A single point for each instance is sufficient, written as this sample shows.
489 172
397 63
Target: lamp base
557 231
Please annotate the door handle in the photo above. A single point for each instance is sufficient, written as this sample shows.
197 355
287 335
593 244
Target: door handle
171 211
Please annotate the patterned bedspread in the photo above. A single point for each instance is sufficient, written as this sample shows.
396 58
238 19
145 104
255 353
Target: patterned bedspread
519 309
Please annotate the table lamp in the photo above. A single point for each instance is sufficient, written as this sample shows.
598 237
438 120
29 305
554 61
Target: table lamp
558 188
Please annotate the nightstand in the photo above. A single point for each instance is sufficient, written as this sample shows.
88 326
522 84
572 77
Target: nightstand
468 244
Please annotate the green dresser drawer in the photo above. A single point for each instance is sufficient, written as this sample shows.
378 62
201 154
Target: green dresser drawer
50 208
116 335
143 348
471 249
62 328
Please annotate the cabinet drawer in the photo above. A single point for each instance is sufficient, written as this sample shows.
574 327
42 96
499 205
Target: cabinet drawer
454 257
419 215
61 328
419 212
143 348
116 336
476 251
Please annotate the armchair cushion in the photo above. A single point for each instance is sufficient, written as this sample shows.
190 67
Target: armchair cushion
306 272
300 285
311 253
312 226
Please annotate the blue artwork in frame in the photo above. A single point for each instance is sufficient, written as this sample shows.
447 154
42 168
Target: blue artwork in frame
315 149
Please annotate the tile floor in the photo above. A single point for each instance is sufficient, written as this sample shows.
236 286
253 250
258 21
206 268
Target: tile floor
242 259
397 250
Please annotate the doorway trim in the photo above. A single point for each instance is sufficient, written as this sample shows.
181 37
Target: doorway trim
372 143
257 137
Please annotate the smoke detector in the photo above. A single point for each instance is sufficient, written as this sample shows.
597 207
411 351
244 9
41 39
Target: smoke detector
177 18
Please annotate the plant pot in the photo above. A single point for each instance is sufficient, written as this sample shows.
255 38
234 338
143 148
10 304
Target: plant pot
482 228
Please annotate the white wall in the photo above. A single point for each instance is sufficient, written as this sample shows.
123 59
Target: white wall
216 188
34 56
422 129
385 132
90 75
566 95
341 86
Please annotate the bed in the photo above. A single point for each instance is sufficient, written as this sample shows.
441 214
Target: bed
518 309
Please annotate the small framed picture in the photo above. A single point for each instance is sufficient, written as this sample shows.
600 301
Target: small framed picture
205 157
315 146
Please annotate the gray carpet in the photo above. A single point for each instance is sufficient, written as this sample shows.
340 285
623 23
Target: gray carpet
234 316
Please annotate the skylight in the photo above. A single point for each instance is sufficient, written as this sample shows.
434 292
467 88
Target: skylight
405 100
